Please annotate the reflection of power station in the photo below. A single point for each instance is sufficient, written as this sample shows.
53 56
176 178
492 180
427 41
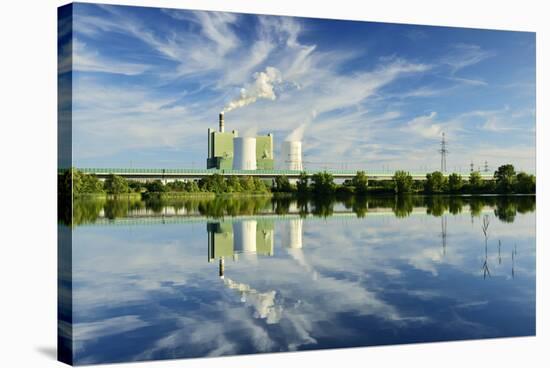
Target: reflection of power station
229 151
249 237
245 238
292 237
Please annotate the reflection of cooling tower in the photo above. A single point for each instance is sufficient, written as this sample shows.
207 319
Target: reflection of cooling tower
291 155
244 156
292 238
244 235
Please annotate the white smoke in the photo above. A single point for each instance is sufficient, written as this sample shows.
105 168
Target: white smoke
298 133
262 87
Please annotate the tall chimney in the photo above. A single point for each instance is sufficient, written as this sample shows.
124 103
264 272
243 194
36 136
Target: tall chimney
221 123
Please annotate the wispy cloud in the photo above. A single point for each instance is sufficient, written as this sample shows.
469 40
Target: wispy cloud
87 60
195 62
463 55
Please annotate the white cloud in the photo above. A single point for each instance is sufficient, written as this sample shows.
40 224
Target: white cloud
87 60
465 55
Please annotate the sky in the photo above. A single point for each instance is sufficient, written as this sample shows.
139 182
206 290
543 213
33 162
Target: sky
149 82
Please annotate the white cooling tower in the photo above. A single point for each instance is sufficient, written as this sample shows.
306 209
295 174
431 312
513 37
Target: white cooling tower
291 155
244 235
244 156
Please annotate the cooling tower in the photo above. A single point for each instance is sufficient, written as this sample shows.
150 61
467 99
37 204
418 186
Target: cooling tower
244 156
244 235
291 155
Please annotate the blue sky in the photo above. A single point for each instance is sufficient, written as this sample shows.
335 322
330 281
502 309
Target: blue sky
148 82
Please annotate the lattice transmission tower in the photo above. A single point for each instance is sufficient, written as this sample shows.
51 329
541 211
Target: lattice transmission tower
444 152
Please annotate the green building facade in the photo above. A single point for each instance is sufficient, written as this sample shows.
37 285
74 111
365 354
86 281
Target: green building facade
264 152
220 149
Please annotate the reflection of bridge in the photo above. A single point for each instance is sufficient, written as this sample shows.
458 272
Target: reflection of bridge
174 218
184 174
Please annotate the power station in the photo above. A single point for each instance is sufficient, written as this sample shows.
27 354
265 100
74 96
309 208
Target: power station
229 151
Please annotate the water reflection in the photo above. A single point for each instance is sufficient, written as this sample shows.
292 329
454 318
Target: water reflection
90 210
279 275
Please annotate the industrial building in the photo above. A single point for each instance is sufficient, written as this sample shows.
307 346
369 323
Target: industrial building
229 151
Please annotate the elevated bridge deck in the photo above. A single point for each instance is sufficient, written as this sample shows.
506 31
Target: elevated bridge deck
182 174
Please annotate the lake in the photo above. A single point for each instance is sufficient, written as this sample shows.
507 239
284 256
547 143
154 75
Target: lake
210 277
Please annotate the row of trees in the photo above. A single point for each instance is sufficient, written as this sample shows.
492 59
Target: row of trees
79 183
505 180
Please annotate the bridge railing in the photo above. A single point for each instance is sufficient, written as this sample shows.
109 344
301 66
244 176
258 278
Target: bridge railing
274 172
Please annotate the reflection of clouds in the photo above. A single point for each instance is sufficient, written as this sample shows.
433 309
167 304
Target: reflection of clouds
262 303
123 275
86 331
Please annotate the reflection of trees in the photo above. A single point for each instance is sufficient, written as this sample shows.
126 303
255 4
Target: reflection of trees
402 205
281 205
323 207
436 205
88 209
506 209
476 205
455 205
525 204
120 206
303 206
359 205
233 206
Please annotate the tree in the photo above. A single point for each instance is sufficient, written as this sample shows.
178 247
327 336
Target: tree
260 186
282 184
403 182
455 183
360 182
525 183
323 183
135 186
247 183
213 183
115 184
475 181
505 178
175 186
155 186
192 186
435 182
302 184
233 184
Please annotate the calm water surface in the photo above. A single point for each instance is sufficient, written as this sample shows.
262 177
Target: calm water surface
208 278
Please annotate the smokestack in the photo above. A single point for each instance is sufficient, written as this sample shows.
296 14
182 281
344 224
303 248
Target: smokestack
221 122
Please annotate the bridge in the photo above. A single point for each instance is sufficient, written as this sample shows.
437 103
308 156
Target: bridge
190 174
173 218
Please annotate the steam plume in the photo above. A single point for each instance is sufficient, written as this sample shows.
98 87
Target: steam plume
298 133
262 87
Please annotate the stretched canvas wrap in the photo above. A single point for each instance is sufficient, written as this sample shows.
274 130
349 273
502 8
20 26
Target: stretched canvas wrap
239 183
